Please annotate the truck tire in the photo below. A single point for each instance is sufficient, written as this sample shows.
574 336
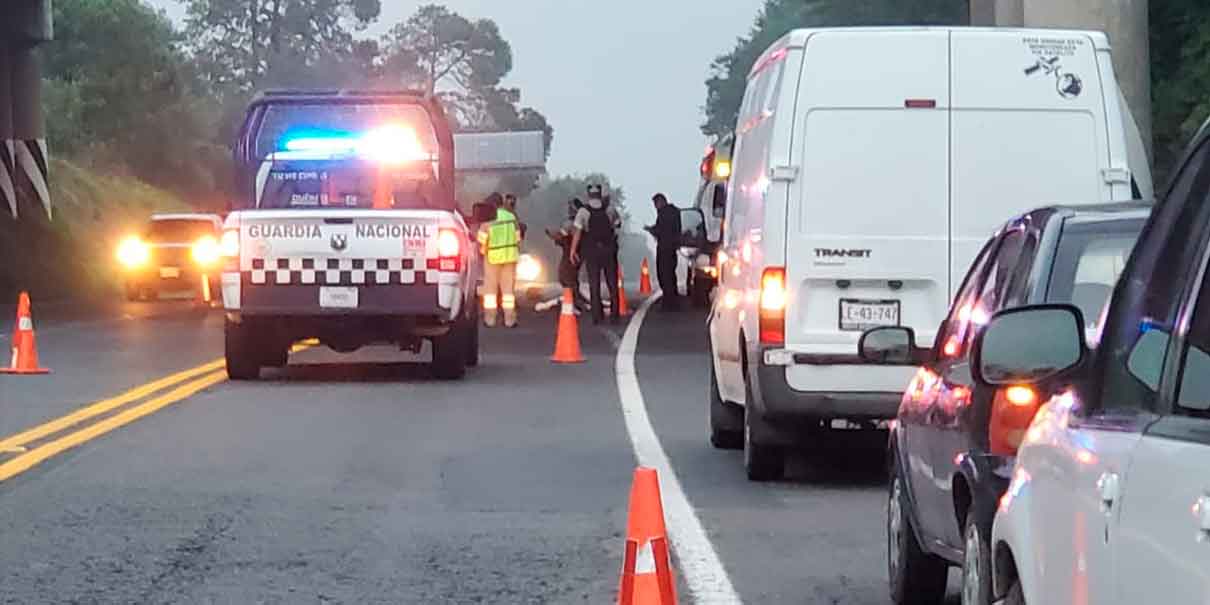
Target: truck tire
449 353
726 419
243 359
472 340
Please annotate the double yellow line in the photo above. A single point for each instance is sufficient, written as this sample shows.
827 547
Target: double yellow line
32 448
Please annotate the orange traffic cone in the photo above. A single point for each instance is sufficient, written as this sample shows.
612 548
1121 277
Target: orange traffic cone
647 567
623 307
25 347
567 343
645 278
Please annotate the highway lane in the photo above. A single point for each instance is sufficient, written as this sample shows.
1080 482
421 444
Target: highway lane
369 482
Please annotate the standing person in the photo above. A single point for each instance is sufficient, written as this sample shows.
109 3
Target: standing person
500 243
596 239
667 232
569 270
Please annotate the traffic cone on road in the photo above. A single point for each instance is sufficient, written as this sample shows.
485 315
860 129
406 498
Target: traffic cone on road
567 342
25 346
623 307
647 566
645 278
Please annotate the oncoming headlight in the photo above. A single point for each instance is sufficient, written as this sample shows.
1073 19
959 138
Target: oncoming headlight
206 251
133 253
528 268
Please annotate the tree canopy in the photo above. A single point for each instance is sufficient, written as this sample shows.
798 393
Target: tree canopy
729 72
120 75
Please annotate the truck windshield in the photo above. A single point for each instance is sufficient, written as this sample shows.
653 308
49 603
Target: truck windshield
170 231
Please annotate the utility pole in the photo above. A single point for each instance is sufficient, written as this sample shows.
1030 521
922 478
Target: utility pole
1125 21
24 24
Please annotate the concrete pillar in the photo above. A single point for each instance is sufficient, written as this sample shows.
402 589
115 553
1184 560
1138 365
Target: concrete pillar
1125 21
24 24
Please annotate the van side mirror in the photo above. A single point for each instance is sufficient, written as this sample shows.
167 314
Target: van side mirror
1027 345
891 345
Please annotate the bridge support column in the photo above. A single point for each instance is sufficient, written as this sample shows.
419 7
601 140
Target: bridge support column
1124 20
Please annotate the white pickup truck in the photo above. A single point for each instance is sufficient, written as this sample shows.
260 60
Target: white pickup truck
347 231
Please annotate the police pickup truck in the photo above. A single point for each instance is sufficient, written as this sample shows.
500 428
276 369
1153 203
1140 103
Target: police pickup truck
346 230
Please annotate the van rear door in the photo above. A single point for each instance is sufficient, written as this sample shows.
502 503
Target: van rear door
867 241
1029 129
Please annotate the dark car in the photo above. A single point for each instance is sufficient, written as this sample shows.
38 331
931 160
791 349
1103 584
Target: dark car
948 468
173 253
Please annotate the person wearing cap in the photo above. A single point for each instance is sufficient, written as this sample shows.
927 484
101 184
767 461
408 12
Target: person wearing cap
569 270
500 244
595 238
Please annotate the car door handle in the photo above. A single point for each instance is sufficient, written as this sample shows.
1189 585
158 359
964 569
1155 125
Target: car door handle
1108 488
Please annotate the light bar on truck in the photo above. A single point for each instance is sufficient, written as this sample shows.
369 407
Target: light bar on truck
389 144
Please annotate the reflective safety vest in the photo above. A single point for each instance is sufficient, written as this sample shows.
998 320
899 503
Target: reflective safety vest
503 243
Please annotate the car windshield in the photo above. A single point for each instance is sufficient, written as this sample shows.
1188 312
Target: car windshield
167 231
1088 262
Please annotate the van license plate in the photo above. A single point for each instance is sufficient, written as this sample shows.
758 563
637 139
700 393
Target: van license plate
337 298
859 315
170 272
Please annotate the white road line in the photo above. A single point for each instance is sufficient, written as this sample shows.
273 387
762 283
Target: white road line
703 570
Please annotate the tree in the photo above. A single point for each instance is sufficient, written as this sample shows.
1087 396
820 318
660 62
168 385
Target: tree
1180 77
118 79
240 43
729 72
446 54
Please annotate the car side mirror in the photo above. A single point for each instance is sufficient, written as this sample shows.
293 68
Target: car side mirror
891 345
1027 345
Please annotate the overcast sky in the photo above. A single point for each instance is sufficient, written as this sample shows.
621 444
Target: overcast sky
622 82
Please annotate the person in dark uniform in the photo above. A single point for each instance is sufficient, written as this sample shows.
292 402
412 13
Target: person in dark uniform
667 233
596 240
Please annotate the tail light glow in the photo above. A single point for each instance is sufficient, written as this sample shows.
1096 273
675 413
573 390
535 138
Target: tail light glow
1013 409
449 251
773 297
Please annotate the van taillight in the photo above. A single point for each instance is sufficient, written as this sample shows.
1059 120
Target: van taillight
1013 409
773 306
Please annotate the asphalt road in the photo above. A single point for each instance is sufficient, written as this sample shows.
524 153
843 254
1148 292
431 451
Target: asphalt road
359 479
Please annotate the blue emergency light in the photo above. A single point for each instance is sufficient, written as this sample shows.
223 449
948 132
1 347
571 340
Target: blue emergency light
389 144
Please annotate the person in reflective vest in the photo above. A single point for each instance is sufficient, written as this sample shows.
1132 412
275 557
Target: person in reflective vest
500 243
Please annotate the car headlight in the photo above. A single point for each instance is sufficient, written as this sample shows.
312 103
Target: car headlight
206 251
528 268
133 253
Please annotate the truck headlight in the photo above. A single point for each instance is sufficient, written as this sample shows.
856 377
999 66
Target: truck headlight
528 268
133 253
206 251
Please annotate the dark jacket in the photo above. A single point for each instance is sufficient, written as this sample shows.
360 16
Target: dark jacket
667 230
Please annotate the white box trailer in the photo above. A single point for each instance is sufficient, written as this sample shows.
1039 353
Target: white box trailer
499 151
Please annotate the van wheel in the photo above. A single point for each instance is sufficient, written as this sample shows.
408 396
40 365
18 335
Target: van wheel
239 349
916 576
449 353
726 419
762 462
1016 594
278 356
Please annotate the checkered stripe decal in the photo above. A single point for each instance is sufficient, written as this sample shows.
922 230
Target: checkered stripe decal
338 272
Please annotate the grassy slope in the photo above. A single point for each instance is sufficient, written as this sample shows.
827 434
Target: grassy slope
73 255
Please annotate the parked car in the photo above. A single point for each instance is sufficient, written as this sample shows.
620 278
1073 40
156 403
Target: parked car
857 202
1109 501
173 253
952 447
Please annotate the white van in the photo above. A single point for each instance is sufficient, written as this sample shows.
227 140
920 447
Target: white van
869 166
